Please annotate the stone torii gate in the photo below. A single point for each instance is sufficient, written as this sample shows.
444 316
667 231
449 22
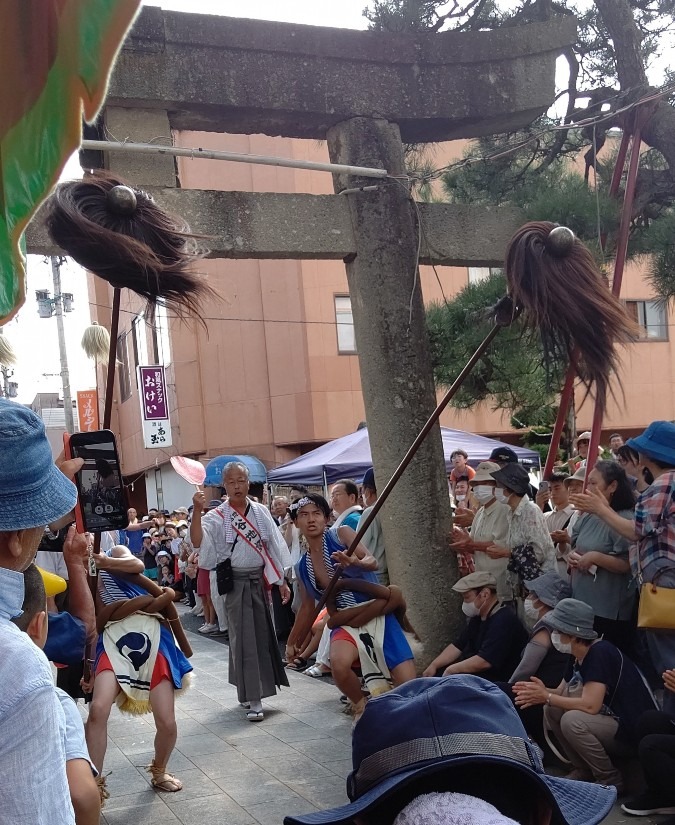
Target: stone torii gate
367 93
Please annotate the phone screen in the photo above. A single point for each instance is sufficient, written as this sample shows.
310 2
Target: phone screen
99 482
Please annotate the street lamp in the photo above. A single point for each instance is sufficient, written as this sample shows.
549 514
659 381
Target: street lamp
60 303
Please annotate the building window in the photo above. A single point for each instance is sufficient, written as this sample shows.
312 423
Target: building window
161 341
139 341
123 376
345 325
482 273
651 317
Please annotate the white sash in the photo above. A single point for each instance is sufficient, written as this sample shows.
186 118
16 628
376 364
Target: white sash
247 532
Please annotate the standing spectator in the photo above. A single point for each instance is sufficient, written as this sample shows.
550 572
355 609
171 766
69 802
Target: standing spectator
557 519
490 526
344 499
594 712
460 467
629 459
241 536
33 493
493 640
504 456
581 445
600 570
373 538
134 532
528 547
615 441
148 556
652 532
279 509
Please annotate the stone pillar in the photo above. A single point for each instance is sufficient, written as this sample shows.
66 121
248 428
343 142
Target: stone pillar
141 126
397 378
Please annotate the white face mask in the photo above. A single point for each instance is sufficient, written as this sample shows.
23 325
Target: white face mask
469 609
559 645
530 610
500 495
459 499
484 492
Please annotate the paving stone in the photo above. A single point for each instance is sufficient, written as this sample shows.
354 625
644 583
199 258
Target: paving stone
178 762
196 785
324 750
273 813
211 810
151 814
202 744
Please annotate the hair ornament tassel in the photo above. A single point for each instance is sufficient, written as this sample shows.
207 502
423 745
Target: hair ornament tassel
553 279
120 234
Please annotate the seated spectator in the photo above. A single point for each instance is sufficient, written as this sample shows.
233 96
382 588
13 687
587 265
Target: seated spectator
490 526
528 546
656 732
600 570
452 751
652 532
493 639
556 494
595 710
540 658
80 771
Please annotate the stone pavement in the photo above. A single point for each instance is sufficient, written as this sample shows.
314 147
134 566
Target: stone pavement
234 772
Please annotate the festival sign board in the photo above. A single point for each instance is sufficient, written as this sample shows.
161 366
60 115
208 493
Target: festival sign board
87 410
154 407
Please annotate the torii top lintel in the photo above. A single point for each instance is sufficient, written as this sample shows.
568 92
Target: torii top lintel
223 74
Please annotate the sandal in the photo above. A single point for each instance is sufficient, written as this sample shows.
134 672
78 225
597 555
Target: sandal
255 716
163 781
316 672
103 791
298 664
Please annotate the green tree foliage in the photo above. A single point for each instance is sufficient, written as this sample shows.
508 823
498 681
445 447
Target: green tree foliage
510 374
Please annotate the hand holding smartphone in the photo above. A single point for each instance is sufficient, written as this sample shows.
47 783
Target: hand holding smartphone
101 497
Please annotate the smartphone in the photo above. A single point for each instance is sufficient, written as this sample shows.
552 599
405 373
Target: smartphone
543 486
102 503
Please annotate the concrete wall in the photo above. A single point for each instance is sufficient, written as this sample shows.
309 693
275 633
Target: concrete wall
174 491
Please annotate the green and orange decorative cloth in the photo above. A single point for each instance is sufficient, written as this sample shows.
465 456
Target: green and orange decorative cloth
55 60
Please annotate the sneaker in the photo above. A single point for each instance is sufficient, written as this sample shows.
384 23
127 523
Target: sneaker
197 610
647 804
208 628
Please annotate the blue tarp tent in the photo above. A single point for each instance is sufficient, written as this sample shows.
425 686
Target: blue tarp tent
214 469
349 457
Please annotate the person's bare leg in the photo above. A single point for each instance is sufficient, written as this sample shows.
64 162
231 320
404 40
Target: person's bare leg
162 701
96 728
209 612
343 655
313 645
405 672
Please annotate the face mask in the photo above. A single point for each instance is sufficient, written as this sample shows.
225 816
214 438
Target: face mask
500 495
483 492
560 646
469 609
530 610
459 499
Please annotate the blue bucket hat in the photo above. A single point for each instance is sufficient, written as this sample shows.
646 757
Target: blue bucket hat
426 728
657 442
33 492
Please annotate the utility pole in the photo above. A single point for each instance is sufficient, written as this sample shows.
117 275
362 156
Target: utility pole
65 373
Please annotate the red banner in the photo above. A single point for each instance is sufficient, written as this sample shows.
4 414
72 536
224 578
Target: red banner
87 410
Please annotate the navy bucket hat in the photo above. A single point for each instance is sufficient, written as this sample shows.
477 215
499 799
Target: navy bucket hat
426 728
33 491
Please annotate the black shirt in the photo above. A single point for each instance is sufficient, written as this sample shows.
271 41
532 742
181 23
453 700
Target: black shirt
626 694
499 639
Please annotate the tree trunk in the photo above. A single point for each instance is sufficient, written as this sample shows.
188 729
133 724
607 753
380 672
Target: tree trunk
397 379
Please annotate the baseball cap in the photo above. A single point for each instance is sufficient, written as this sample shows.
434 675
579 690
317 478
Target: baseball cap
369 479
484 472
33 491
504 455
